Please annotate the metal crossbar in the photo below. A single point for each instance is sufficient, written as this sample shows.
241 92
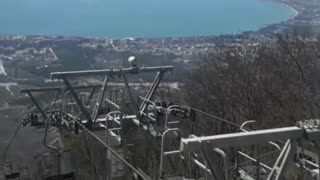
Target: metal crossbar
247 138
69 74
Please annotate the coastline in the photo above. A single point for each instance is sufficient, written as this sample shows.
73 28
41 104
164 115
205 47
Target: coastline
267 28
295 11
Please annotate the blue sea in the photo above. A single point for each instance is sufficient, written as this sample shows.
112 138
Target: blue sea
137 18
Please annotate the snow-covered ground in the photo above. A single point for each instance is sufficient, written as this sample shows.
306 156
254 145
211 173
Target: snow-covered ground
2 70
7 86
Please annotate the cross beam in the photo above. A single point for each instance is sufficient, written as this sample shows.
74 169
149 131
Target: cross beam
35 102
151 91
57 88
132 70
78 101
248 138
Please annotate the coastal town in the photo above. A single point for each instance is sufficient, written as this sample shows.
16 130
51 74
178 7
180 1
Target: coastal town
307 17
38 53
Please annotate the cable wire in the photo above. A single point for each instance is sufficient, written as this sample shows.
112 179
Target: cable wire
5 152
109 148
216 117
224 120
113 152
4 157
91 162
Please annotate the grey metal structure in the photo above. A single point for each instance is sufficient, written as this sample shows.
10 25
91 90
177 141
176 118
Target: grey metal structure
307 130
109 73
248 138
89 115
197 152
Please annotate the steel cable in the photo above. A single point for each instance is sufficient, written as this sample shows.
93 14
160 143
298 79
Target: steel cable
216 117
109 148
4 157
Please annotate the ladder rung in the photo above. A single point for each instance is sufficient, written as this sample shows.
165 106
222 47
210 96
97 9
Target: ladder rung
173 122
114 129
171 152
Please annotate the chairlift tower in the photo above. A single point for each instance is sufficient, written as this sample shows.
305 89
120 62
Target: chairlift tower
89 109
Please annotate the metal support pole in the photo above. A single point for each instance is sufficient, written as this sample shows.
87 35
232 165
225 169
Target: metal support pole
152 90
37 105
93 90
100 98
76 98
133 101
278 167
